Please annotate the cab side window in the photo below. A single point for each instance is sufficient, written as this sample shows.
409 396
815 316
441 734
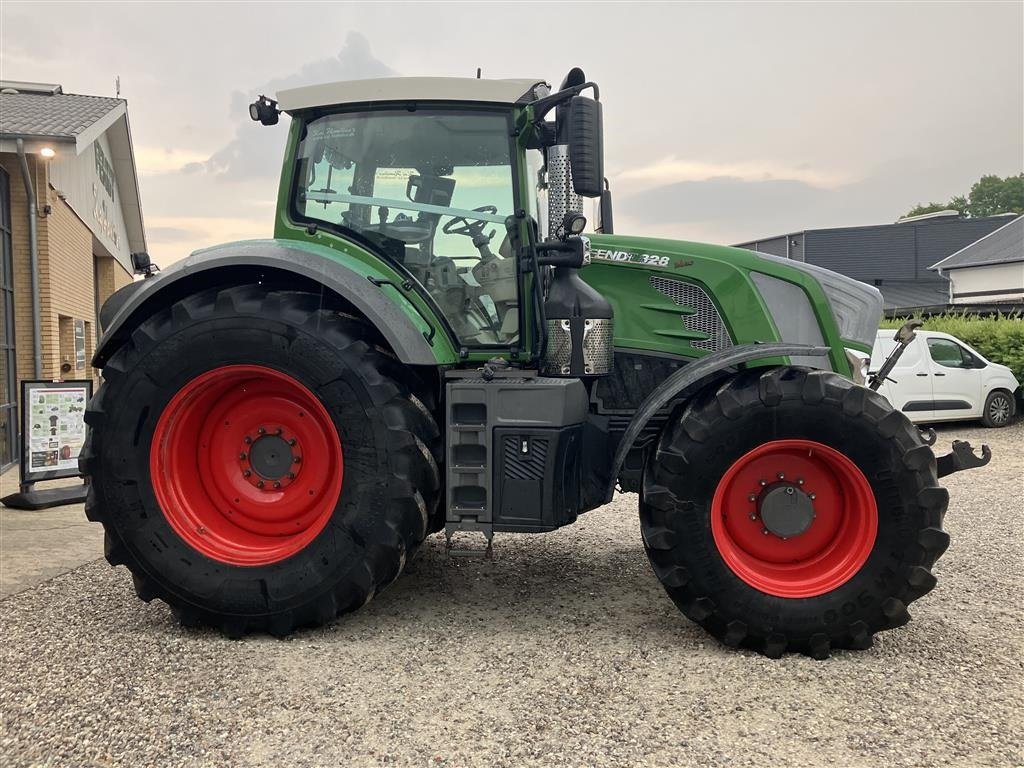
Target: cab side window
950 354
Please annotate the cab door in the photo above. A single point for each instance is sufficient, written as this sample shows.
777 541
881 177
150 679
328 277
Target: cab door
956 380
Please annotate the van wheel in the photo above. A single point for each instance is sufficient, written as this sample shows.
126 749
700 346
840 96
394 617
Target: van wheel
999 409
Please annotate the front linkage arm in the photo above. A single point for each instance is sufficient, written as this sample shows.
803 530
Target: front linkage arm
963 455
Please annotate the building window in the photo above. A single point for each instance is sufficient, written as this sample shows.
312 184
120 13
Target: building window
8 377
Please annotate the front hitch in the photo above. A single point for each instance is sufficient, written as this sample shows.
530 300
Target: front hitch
962 457
902 337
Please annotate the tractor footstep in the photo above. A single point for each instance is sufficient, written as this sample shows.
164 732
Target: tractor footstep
463 546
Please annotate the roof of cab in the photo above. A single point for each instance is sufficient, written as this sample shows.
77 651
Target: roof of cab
410 89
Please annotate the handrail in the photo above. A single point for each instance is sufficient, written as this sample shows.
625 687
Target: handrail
342 197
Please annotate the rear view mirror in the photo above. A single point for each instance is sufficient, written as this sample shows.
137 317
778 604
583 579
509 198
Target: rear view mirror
586 146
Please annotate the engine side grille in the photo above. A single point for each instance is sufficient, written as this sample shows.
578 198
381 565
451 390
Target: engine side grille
705 319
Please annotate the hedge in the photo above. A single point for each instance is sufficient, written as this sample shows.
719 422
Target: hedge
999 338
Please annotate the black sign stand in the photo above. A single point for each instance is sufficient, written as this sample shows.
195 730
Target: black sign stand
62 410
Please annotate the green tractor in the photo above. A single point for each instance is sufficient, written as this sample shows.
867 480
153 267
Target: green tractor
430 343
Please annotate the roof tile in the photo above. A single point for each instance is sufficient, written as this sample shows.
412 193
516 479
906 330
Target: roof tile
1003 246
62 115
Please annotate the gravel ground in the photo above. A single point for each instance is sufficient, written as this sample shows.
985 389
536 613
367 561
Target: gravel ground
562 651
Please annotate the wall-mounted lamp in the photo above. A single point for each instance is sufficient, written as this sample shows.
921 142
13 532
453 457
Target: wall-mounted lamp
47 154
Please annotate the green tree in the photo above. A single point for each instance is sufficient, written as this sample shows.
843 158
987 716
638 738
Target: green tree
989 196
923 208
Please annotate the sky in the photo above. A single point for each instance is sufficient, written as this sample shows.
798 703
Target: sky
724 122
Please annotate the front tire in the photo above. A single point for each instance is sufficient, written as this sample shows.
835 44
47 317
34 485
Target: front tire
256 462
999 409
791 510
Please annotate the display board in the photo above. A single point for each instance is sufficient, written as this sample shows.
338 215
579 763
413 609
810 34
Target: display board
53 428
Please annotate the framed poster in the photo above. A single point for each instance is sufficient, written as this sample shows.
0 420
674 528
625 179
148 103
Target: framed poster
53 428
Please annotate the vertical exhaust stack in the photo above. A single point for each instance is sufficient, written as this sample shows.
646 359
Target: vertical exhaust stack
562 196
579 319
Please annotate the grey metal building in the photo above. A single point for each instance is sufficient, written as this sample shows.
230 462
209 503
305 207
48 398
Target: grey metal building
894 257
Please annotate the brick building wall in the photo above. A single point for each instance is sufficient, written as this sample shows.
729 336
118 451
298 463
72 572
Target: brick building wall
71 277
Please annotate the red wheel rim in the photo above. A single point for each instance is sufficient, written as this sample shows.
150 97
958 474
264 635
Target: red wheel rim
838 538
246 465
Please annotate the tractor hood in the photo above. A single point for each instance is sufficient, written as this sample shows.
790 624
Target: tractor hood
806 303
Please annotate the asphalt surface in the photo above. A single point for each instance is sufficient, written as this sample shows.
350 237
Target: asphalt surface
562 651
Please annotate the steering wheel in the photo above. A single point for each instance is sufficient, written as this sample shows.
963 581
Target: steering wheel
460 225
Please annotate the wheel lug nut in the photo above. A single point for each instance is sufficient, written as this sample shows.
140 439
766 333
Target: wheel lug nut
753 516
247 440
752 497
800 481
781 476
262 430
764 531
277 483
293 441
813 496
241 456
297 460
764 482
291 475
259 484
247 473
278 431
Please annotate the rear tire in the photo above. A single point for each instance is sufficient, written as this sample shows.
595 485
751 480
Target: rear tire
999 409
877 513
174 461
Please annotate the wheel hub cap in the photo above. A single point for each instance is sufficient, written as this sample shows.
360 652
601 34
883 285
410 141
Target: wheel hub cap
271 459
786 511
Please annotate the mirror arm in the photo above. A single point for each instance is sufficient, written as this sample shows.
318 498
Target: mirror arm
544 105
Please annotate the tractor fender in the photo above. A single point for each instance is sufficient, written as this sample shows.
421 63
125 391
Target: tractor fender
358 284
690 374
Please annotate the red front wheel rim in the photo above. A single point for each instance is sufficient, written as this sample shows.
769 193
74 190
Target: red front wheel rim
814 549
246 465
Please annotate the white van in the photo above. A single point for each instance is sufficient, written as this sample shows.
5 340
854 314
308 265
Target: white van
940 378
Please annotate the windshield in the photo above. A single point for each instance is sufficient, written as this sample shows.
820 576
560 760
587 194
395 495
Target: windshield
433 191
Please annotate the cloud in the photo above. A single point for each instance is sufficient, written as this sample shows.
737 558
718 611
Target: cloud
721 199
732 209
256 151
158 234
674 170
152 160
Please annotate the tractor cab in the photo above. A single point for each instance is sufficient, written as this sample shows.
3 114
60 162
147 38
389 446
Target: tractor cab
434 190
454 192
